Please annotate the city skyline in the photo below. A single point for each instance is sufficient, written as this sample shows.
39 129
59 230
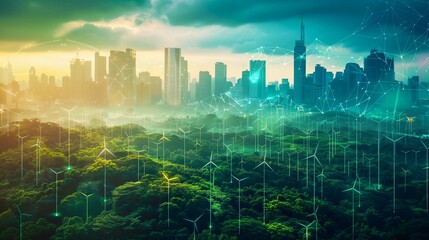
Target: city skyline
234 37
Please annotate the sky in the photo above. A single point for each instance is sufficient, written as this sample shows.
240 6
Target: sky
47 34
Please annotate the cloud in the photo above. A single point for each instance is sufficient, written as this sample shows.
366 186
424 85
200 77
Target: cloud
39 19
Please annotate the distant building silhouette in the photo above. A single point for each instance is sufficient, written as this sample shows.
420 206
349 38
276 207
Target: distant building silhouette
122 75
172 76
184 80
81 82
220 78
245 78
204 85
413 85
100 78
378 67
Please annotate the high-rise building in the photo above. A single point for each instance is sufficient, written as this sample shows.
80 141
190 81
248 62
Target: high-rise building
100 78
379 68
413 85
284 88
220 84
257 81
33 82
245 75
184 80
204 85
299 66
80 80
319 78
172 76
122 74
353 74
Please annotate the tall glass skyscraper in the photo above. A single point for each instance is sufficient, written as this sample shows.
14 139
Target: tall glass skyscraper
220 78
299 65
257 79
172 76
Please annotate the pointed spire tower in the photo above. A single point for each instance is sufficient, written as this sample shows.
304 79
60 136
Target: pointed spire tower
299 66
302 29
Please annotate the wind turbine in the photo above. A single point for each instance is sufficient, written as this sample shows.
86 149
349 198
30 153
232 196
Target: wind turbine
353 190
314 214
87 204
56 214
314 156
344 156
128 143
230 151
306 228
243 137
21 214
415 156
37 145
168 194
163 139
194 222
105 151
197 144
239 201
264 164
321 182
21 138
210 164
406 153
184 146
69 167
138 164
200 128
405 172
394 169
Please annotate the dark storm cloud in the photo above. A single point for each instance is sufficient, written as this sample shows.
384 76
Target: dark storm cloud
394 26
39 19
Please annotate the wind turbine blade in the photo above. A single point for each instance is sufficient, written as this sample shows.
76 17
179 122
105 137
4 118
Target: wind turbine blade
268 165
196 227
301 224
165 175
258 165
101 152
189 220
315 157
199 217
110 152
214 164
206 165
235 178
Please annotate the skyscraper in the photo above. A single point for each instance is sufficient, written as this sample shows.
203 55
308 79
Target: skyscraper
33 82
172 76
245 75
299 65
319 79
204 85
100 77
413 85
257 79
378 67
122 74
220 78
80 80
184 79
